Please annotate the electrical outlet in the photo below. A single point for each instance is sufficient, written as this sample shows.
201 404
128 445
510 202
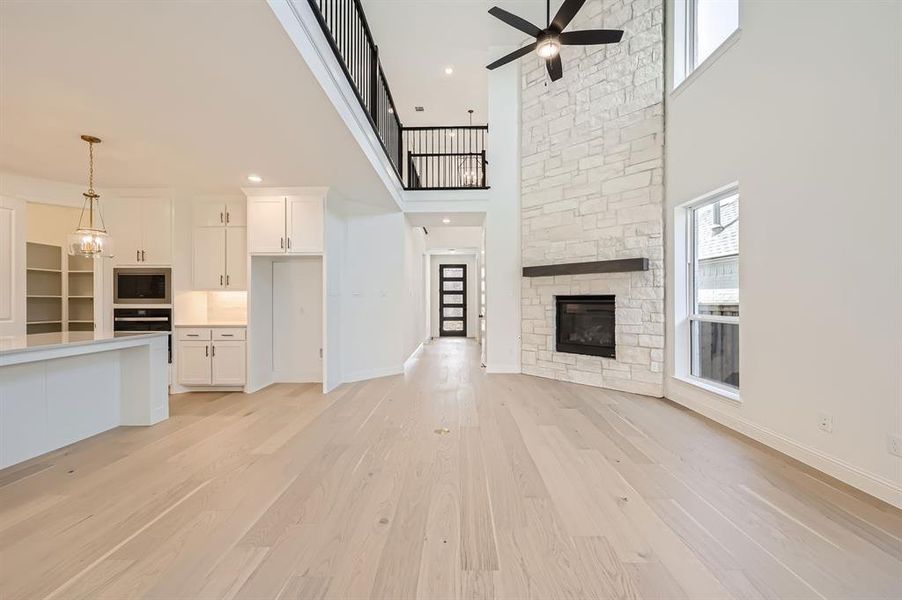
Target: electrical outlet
825 422
894 445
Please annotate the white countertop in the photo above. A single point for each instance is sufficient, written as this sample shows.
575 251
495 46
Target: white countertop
212 324
49 341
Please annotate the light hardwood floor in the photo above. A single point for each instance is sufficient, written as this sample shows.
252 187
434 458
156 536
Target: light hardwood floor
442 483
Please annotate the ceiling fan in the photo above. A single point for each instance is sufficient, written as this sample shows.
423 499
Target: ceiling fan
549 40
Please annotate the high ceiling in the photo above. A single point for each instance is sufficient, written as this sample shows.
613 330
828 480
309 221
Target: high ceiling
184 94
417 39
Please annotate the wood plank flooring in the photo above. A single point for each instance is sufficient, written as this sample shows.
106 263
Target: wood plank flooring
441 483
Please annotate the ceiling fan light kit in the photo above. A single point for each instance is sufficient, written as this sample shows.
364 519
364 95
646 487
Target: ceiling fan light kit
549 40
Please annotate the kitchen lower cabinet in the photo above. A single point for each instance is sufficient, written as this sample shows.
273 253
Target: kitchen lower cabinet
194 364
211 356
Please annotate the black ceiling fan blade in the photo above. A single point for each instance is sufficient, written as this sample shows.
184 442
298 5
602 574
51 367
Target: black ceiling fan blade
555 68
566 13
515 21
513 56
591 36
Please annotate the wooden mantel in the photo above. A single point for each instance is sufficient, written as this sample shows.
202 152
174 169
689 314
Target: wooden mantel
621 265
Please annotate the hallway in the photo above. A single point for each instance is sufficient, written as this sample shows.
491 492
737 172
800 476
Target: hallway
441 483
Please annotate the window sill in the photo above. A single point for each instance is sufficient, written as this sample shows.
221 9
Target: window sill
706 64
724 392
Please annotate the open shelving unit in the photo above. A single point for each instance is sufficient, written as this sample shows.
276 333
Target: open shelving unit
44 288
80 294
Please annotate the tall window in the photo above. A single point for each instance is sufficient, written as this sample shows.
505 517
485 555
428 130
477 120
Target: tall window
700 27
714 288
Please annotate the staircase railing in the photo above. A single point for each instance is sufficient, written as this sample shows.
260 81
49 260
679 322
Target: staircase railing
424 158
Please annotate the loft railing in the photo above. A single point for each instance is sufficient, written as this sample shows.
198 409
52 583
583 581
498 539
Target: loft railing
424 158
445 158
344 24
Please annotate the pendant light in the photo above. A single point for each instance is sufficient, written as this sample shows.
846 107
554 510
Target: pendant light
90 239
469 165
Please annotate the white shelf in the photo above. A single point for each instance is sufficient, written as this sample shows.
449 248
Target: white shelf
44 270
41 322
81 272
43 296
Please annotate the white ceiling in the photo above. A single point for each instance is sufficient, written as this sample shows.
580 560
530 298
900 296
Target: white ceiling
417 39
184 94
456 219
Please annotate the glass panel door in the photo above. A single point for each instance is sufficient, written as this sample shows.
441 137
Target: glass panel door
453 300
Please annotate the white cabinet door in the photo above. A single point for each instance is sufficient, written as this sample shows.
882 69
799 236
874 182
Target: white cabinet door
266 225
123 220
156 222
236 258
194 363
236 213
305 224
228 363
210 213
209 258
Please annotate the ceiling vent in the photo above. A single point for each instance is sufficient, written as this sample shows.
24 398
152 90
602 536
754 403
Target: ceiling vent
419 108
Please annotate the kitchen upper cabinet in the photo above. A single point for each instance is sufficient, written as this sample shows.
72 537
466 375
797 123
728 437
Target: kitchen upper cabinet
220 258
285 224
236 258
305 224
220 213
209 258
194 364
141 229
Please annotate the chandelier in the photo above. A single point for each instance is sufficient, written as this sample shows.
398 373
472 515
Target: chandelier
90 239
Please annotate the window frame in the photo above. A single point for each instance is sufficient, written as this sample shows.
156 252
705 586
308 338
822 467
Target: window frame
685 39
686 312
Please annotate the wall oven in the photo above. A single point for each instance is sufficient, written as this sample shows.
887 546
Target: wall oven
143 320
142 286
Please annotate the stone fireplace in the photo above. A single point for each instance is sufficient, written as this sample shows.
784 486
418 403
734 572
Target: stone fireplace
592 191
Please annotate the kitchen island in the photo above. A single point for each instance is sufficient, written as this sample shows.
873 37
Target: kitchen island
59 388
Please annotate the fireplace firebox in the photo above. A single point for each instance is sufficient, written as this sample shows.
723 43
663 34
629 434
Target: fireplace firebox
585 325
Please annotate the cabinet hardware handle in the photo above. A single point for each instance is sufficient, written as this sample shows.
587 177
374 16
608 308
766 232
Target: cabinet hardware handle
206 351
142 256
227 217
220 280
220 217
282 243
227 334
193 334
289 243
214 349
227 280
137 256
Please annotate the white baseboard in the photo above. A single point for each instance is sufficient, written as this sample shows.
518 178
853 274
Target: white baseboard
413 355
372 373
314 376
496 368
176 389
869 483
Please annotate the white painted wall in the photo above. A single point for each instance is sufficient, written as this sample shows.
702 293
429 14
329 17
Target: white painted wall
472 291
335 237
372 308
502 226
442 238
811 130
297 312
415 318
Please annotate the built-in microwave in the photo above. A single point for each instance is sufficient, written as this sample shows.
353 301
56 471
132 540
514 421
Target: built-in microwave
142 286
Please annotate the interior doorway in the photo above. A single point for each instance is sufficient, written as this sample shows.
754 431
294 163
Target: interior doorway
452 300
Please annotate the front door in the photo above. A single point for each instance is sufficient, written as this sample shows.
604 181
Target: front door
452 300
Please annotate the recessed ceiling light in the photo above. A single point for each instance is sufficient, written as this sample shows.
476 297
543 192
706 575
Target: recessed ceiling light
449 70
446 220
254 178
451 134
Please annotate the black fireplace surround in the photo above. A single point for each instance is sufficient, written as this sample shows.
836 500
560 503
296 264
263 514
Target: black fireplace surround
585 325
